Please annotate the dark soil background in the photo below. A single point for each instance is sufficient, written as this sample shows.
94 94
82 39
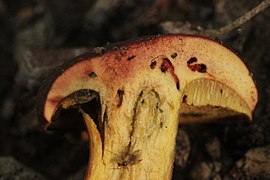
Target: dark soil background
36 36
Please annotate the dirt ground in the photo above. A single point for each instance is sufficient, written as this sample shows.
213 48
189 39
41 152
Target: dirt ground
36 36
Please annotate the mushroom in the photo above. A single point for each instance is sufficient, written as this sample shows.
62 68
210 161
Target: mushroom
132 96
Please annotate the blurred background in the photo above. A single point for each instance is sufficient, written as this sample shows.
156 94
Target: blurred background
39 35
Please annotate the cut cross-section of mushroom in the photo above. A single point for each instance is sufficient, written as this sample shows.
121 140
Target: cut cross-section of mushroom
131 98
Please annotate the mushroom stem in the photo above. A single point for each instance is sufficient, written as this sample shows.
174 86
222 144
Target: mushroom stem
141 147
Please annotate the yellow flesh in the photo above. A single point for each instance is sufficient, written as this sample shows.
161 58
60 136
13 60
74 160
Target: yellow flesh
150 151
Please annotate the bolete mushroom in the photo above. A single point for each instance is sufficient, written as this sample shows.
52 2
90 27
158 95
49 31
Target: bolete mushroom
132 96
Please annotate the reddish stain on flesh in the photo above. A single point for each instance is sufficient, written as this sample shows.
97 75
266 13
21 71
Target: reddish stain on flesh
167 66
55 100
153 64
198 67
192 60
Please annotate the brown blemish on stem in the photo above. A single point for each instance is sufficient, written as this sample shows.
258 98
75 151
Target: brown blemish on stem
130 159
120 94
184 99
177 85
161 124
